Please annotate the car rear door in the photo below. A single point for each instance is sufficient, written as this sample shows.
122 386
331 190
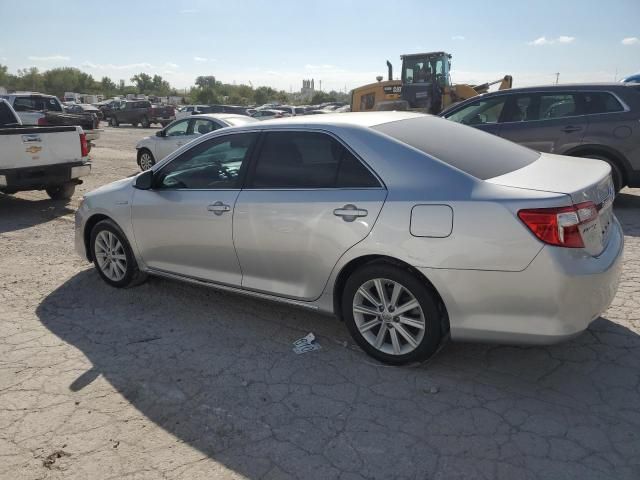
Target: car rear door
550 122
307 200
183 224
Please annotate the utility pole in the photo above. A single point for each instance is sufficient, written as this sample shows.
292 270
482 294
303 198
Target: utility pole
557 77
320 85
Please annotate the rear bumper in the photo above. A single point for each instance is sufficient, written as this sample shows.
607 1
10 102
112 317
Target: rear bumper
42 177
555 298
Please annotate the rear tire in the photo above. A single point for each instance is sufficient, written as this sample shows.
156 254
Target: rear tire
134 124
112 256
616 173
145 122
61 192
113 121
403 327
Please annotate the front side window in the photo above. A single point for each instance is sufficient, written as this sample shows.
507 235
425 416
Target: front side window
308 160
202 126
212 165
480 112
178 129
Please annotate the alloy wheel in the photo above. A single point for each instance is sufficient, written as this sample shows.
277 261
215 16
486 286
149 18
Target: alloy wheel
110 255
146 161
389 316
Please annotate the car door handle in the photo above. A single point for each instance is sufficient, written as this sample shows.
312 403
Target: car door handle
350 212
571 129
218 208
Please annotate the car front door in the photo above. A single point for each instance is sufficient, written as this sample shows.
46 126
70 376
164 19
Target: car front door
183 224
307 200
545 121
483 113
175 135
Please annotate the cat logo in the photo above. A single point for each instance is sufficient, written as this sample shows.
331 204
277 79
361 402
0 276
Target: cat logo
33 149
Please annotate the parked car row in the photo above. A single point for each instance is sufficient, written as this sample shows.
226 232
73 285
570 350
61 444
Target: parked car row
134 112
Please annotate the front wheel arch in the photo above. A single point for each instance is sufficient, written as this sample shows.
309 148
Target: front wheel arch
359 262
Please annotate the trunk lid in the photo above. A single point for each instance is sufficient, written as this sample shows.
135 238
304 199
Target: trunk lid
584 180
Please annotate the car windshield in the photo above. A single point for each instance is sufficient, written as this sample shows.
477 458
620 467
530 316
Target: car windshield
473 151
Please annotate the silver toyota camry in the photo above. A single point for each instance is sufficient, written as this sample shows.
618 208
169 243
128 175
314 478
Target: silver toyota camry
408 227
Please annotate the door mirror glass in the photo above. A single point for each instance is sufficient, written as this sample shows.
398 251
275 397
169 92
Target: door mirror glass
144 181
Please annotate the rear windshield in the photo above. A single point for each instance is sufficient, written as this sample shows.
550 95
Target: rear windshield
475 152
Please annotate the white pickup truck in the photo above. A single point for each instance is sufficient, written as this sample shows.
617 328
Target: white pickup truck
40 158
40 109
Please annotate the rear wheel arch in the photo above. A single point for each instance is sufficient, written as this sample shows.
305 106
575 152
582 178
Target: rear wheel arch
614 157
359 262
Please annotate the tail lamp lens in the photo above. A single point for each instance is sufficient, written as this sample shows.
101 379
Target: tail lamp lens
84 148
559 226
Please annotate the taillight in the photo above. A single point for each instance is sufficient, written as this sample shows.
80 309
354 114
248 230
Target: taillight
84 148
560 226
42 121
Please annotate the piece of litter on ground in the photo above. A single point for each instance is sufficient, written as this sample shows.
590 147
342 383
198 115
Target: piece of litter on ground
306 344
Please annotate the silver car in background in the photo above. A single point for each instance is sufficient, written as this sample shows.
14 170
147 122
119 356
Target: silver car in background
182 131
406 226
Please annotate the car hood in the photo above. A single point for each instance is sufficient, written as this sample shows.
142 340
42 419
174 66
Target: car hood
114 188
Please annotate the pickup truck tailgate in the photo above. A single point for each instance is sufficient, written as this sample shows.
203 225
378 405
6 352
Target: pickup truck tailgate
30 147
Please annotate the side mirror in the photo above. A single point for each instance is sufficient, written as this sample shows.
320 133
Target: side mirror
144 181
161 133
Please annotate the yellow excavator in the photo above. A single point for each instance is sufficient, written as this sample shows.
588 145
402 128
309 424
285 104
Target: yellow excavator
425 86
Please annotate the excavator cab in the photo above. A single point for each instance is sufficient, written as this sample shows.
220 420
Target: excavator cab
425 80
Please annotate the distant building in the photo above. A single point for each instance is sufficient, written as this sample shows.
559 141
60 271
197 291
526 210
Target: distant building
307 90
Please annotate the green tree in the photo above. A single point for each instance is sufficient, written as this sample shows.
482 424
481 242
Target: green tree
59 80
205 95
29 79
143 82
160 86
206 81
107 86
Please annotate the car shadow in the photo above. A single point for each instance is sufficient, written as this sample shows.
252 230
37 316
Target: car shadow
217 371
19 213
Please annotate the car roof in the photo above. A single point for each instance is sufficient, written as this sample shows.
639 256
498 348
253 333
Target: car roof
218 116
565 86
362 119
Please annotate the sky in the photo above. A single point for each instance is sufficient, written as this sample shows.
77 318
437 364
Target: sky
342 43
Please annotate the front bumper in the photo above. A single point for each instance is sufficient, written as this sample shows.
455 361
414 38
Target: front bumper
43 176
555 298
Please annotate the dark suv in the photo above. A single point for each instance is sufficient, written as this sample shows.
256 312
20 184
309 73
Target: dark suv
132 111
593 121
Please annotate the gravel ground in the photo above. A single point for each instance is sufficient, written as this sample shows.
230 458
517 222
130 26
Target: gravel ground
169 381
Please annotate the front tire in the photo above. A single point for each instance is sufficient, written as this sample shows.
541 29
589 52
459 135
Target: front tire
391 314
113 121
145 122
112 256
145 159
61 192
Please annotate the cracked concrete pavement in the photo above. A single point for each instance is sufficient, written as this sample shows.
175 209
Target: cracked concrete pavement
172 381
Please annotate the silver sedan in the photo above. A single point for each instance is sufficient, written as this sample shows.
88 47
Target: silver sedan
182 131
408 227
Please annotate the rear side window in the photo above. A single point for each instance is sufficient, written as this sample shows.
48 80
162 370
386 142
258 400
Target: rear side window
558 106
36 104
308 160
601 102
473 151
